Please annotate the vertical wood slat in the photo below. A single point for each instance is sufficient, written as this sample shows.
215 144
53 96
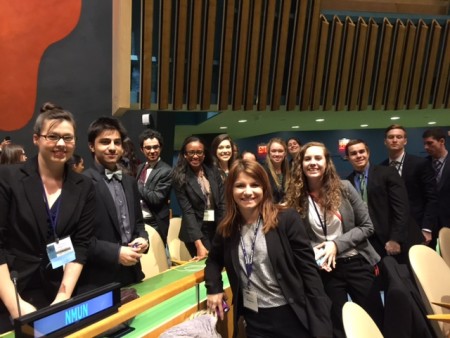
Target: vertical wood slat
431 64
194 57
241 55
395 67
361 46
383 64
350 28
418 65
369 65
147 54
406 66
294 77
266 55
206 83
164 54
226 55
311 55
253 63
179 76
281 55
444 71
318 82
336 42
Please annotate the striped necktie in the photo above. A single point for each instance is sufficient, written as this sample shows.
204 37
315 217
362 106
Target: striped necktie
363 186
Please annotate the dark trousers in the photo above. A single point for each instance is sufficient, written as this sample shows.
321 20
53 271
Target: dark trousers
208 231
353 276
278 322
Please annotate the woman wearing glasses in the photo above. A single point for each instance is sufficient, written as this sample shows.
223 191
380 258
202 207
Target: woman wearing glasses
199 190
47 215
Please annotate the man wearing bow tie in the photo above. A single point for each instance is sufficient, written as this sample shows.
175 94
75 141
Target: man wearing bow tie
120 237
418 176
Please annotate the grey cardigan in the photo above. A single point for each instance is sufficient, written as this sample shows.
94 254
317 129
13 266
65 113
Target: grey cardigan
357 226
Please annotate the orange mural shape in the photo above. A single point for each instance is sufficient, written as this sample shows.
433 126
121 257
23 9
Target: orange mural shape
27 28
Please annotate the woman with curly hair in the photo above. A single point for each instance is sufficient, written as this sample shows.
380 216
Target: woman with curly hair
269 262
338 226
277 167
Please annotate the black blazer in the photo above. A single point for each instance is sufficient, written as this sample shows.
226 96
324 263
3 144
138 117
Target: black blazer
193 204
443 192
277 192
156 193
418 175
293 263
388 207
103 264
24 223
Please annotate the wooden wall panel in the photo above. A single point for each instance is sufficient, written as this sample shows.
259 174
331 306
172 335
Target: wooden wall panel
179 78
383 64
443 82
346 62
398 47
332 77
318 81
164 54
360 50
406 70
147 54
207 77
194 54
368 74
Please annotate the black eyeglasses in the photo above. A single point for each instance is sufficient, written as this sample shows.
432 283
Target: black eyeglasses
156 147
192 153
55 138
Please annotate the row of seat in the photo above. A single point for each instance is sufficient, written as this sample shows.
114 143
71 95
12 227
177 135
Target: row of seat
432 274
156 260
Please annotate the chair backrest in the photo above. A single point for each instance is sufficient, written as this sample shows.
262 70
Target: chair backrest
433 279
444 244
155 261
357 322
177 248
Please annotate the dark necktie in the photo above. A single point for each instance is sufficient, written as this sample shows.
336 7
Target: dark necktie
395 164
143 174
363 186
437 165
110 174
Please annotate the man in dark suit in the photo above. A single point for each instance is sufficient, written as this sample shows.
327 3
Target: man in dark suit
385 194
434 143
154 183
119 238
418 176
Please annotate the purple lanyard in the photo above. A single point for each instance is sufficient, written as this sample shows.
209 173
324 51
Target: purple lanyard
53 217
248 259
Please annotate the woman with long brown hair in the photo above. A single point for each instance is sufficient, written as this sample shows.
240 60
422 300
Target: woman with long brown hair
338 226
277 167
269 262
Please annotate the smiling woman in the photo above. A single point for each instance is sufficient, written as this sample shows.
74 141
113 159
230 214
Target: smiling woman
222 150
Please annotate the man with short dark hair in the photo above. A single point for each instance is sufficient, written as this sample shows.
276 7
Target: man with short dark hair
119 238
154 183
385 194
434 144
418 176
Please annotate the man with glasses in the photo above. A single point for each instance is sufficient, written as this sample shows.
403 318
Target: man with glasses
154 182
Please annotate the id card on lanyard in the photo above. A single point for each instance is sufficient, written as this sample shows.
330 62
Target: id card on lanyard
61 251
250 296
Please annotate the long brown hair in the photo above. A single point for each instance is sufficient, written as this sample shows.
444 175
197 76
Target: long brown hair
233 218
298 191
285 170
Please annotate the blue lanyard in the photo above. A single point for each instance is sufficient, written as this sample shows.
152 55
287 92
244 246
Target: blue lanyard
248 259
53 217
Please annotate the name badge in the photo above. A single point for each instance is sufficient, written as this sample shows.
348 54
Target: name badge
250 300
208 216
61 253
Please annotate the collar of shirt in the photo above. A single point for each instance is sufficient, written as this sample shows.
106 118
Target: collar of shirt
398 158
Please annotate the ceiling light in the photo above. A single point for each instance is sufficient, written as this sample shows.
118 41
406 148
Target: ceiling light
320 120
364 125
432 122
242 121
395 118
295 127
223 127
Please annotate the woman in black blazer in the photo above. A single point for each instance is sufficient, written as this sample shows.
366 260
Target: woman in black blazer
269 262
199 190
43 202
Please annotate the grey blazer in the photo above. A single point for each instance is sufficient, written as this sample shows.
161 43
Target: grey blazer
357 226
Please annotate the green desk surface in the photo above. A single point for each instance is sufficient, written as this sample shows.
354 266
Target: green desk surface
157 315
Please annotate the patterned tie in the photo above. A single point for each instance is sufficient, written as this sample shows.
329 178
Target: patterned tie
363 187
437 165
110 174
143 174
395 164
